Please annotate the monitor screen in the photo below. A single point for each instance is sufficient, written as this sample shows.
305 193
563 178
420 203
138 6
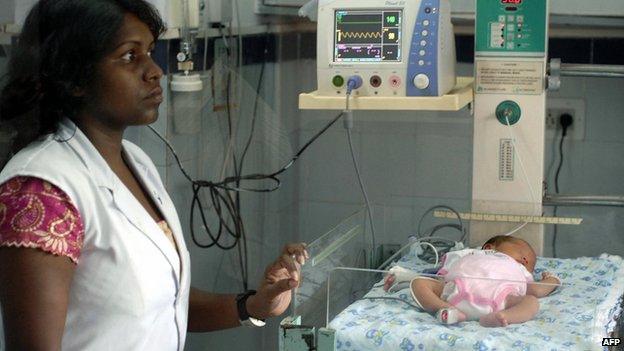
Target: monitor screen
367 35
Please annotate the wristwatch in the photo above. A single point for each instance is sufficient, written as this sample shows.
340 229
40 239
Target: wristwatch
243 316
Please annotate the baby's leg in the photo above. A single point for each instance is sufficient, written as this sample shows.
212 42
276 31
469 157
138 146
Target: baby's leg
427 292
519 309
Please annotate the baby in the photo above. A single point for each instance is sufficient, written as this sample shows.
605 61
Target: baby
502 298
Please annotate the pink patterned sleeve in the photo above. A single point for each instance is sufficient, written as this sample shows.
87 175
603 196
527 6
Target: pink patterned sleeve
37 214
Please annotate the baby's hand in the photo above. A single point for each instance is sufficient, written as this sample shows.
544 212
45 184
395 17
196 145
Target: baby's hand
544 287
549 277
398 275
389 281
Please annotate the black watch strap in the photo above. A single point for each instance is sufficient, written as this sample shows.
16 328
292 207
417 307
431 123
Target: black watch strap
243 315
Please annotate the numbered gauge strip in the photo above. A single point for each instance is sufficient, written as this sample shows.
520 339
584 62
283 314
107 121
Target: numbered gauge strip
487 217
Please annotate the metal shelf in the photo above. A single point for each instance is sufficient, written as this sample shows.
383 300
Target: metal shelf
455 100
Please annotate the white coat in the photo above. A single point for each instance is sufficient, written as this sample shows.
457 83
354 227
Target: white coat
130 289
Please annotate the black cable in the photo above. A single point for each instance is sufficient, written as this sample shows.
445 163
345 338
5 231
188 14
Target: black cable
222 202
240 238
461 228
442 245
224 184
563 135
256 101
227 208
565 120
236 215
244 252
232 205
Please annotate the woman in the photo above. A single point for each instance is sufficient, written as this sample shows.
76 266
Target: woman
91 249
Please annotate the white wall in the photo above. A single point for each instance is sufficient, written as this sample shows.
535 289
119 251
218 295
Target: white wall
411 166
202 156
410 161
414 160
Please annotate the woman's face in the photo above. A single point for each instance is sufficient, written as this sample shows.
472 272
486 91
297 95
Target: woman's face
127 90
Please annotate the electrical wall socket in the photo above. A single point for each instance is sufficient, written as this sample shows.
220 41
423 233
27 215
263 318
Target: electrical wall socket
555 107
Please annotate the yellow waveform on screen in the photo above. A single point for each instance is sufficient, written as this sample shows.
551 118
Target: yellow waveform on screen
359 35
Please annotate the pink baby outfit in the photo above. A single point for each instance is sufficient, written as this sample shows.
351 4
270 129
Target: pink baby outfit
479 281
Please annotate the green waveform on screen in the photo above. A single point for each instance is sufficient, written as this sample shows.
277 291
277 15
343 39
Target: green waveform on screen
359 35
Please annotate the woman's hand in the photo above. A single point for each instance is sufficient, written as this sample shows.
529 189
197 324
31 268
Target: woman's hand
283 275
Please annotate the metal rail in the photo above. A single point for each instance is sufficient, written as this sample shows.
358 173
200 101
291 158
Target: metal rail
556 70
590 200
584 70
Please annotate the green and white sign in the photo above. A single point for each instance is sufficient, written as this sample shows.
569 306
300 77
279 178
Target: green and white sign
511 26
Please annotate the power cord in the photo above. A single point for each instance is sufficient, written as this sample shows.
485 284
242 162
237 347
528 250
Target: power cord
438 246
243 252
229 183
565 120
429 233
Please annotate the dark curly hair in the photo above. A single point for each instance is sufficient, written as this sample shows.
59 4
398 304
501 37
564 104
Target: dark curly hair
56 54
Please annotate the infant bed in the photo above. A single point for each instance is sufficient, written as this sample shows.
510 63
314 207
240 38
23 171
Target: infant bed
348 300
575 317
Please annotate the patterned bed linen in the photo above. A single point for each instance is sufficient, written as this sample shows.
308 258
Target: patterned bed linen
572 318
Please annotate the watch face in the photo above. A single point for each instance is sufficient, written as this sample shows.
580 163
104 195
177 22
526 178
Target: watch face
243 316
252 322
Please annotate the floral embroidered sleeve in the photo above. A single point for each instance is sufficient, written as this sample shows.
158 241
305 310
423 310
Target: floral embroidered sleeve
37 214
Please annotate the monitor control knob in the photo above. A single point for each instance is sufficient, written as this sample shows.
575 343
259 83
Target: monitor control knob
421 81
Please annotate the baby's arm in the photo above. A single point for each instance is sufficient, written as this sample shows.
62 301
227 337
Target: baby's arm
397 276
403 274
539 290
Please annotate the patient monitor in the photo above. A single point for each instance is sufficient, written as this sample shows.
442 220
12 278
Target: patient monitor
397 48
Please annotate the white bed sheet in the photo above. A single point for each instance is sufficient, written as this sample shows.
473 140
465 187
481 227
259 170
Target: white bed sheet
574 317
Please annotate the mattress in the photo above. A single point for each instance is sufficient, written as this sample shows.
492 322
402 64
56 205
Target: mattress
574 317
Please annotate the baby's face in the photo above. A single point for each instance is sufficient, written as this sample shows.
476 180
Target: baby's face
519 251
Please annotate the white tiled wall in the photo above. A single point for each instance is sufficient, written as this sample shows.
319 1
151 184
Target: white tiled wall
409 163
428 162
270 219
